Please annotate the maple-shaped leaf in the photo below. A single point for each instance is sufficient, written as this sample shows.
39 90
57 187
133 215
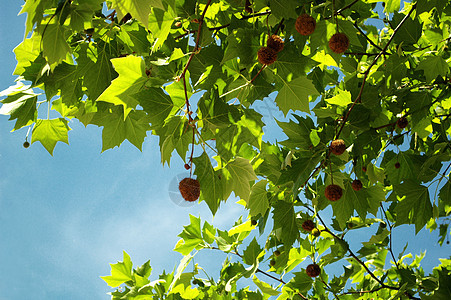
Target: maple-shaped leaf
96 68
433 66
26 53
54 44
49 132
415 205
191 236
139 9
19 104
211 182
159 24
156 103
121 272
132 76
356 200
258 200
285 218
175 134
64 78
241 174
284 8
295 94
252 252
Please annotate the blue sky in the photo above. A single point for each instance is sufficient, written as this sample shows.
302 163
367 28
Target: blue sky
65 218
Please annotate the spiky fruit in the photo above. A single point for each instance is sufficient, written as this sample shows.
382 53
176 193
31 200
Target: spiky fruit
333 192
337 147
305 24
316 232
356 185
253 222
26 144
402 122
272 262
308 225
266 55
397 165
190 189
277 253
275 42
339 42
313 270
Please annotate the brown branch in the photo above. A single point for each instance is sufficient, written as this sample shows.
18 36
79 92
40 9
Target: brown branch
359 96
367 38
390 245
361 53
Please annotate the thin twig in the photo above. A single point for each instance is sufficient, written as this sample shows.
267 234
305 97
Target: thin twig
390 245
366 36
335 13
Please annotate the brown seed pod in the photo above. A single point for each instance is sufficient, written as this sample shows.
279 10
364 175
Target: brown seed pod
275 42
339 43
397 165
364 169
253 222
190 189
402 122
313 270
337 147
276 253
272 262
333 192
26 144
356 185
305 24
308 225
316 232
266 55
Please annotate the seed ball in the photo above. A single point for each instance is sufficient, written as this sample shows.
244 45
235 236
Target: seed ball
337 147
356 185
397 165
266 55
402 122
382 224
333 192
187 166
272 262
305 24
316 232
190 189
350 225
339 43
26 144
364 169
277 253
313 270
308 225
275 42
253 222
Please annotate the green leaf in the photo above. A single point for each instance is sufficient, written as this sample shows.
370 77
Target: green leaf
20 104
132 76
258 200
252 253
139 9
295 95
241 173
265 287
191 237
160 23
156 103
415 206
49 132
301 282
284 218
433 66
283 8
121 272
342 99
54 44
211 182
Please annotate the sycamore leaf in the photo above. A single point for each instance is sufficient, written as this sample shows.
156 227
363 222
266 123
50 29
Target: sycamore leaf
258 200
54 44
131 79
20 104
284 8
139 9
121 272
415 206
191 237
156 103
211 182
295 94
241 173
285 218
160 23
432 67
342 99
49 132
265 287
252 252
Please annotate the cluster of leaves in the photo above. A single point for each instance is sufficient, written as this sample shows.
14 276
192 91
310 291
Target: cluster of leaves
187 71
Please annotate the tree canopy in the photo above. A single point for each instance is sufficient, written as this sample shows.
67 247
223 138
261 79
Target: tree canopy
365 90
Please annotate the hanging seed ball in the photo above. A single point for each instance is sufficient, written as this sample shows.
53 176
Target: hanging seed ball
266 55
339 43
402 122
333 192
397 165
316 232
253 222
337 147
275 42
356 185
308 225
26 144
313 270
364 169
272 262
190 189
305 24
276 253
